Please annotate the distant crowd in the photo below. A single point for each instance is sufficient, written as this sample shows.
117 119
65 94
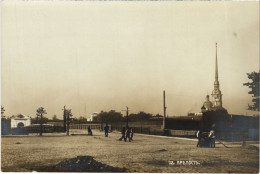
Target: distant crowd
127 133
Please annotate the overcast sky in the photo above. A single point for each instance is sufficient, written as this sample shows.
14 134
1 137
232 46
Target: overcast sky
109 55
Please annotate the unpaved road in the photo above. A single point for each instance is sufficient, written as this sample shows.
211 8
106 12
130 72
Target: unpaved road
144 154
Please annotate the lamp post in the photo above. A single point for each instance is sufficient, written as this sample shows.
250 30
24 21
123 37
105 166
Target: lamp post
164 110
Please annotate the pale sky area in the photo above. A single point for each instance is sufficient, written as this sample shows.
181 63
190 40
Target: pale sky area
109 55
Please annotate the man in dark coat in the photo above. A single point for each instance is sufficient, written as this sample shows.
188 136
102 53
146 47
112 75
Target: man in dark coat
89 131
123 134
106 130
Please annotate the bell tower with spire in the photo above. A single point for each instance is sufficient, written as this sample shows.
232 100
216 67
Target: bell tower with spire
216 93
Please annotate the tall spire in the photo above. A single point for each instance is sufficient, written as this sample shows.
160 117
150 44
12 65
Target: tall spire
216 93
216 68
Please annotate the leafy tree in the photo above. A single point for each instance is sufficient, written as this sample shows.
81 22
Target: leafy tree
54 118
158 116
254 86
108 117
2 112
39 116
82 119
141 116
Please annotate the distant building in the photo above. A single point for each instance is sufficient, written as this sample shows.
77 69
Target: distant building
20 121
94 114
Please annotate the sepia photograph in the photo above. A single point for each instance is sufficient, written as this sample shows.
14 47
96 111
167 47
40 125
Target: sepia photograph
130 86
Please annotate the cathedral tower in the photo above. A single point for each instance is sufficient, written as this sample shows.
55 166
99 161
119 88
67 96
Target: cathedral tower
216 93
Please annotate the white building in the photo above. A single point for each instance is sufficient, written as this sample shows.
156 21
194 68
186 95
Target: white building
20 121
94 114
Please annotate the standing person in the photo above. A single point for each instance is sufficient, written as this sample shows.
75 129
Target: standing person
106 130
89 131
123 134
128 134
199 136
212 138
132 134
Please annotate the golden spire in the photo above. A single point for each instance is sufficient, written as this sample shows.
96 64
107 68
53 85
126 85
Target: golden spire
216 66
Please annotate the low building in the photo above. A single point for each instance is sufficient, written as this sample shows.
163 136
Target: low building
20 121
94 114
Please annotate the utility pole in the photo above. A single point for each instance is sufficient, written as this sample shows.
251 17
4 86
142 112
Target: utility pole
68 118
126 116
164 110
68 122
64 118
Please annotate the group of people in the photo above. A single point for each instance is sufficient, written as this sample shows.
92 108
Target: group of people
106 128
127 133
206 139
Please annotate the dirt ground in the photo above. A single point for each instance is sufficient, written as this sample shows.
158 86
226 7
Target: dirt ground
144 154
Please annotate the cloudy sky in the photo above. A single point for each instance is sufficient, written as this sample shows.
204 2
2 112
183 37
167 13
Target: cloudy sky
109 55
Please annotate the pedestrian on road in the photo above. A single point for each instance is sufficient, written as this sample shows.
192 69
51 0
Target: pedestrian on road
132 134
106 130
212 138
123 134
199 136
89 131
128 134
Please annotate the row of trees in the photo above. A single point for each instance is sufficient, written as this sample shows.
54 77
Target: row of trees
113 116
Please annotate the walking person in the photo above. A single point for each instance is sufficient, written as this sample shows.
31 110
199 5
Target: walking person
106 130
123 134
89 131
132 134
212 138
128 134
199 136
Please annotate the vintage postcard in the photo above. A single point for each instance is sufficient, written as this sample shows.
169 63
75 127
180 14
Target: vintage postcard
130 86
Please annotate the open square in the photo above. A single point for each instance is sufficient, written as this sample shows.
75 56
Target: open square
146 153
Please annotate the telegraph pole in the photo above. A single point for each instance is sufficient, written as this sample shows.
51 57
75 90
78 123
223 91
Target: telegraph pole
164 110
126 116
68 121
64 118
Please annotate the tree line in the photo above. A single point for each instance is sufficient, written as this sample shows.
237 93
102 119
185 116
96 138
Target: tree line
113 116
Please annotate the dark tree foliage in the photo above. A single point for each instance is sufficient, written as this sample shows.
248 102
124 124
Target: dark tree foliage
79 120
158 116
254 90
141 116
36 120
108 117
55 118
82 119
39 117
2 112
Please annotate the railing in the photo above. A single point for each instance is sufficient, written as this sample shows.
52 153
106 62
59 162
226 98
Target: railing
85 126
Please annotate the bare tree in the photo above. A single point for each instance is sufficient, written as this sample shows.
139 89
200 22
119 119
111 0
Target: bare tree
39 113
